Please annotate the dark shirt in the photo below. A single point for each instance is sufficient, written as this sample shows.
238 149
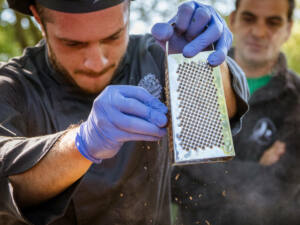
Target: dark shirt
270 106
37 105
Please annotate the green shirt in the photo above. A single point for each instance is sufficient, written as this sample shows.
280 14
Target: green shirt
256 83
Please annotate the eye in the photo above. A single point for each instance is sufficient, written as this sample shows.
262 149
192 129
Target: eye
248 19
274 23
73 43
115 37
112 39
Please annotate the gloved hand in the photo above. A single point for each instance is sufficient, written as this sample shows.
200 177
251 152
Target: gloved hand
119 114
195 27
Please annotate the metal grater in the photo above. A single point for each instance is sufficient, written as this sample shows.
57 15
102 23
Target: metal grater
199 129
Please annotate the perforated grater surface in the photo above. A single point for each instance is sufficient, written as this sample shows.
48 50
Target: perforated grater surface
199 130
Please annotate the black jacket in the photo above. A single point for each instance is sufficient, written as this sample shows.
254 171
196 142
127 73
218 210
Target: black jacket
37 105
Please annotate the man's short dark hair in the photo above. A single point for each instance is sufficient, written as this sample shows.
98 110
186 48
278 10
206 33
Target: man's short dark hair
290 11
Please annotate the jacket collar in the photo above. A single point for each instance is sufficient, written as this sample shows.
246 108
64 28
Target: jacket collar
280 82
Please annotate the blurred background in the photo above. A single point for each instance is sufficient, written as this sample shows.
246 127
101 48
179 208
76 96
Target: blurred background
18 31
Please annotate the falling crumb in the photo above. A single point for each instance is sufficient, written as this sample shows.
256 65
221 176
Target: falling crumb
121 195
176 199
145 204
226 171
148 147
224 193
177 176
208 223
197 222
145 167
191 198
200 195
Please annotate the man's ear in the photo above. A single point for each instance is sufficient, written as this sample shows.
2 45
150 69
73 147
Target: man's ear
35 14
37 18
232 18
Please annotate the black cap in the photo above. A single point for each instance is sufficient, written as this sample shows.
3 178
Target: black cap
69 6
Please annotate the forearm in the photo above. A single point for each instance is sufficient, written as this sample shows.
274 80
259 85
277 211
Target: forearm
60 168
229 93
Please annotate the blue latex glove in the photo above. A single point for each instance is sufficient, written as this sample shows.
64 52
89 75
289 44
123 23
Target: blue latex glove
195 27
120 113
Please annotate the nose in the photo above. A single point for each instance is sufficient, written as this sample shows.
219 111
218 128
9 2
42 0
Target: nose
259 30
96 59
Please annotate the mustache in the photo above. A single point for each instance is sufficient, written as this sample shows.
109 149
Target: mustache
93 73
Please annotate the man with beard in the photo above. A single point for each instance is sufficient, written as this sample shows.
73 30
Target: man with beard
261 185
81 119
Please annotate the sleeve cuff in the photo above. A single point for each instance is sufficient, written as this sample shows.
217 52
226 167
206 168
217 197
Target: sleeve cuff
241 90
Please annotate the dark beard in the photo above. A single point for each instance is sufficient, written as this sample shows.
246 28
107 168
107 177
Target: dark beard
60 69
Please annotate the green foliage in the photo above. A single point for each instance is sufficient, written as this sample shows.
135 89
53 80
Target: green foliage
17 31
291 48
8 46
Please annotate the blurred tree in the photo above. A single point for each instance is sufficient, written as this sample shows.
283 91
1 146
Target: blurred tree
291 48
145 13
17 31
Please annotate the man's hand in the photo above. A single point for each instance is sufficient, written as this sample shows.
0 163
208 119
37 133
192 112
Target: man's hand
120 113
195 27
272 154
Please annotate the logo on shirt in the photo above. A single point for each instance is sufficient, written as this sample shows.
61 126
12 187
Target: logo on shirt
151 84
264 131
